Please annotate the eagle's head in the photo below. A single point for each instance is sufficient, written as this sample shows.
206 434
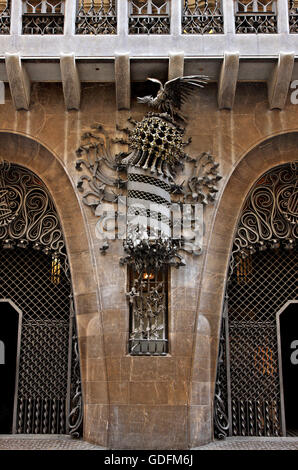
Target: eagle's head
145 99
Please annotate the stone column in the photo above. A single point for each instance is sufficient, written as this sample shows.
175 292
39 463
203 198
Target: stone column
16 18
282 17
70 12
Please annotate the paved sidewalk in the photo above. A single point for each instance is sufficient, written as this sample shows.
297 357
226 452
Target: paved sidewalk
58 442
40 442
253 443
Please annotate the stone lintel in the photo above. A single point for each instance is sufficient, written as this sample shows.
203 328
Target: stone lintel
228 80
70 81
279 83
19 81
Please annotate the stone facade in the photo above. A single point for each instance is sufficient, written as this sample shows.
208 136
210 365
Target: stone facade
148 402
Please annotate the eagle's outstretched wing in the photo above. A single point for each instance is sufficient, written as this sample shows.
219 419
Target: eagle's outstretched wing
177 91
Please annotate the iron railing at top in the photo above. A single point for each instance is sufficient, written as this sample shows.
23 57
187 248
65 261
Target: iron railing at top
43 16
96 17
149 16
293 16
256 16
202 17
5 17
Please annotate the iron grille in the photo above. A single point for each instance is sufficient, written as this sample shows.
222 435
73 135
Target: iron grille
43 16
202 17
96 17
255 16
255 294
43 368
149 16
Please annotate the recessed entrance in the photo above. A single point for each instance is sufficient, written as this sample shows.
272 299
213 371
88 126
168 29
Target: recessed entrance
10 320
288 351
256 386
40 386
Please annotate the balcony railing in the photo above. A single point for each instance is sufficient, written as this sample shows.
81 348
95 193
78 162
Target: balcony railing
255 16
5 17
96 17
149 16
293 16
152 17
43 17
202 17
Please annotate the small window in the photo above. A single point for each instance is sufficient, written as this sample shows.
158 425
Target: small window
96 17
43 16
148 298
202 17
149 16
256 16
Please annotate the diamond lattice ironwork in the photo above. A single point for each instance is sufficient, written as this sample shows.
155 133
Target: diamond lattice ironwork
253 301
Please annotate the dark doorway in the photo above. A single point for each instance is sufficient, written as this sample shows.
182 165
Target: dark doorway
289 351
9 328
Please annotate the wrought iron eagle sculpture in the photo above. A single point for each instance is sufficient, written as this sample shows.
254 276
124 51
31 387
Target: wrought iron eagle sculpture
174 93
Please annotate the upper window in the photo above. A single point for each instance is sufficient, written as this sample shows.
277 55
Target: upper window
43 16
256 16
96 17
202 17
149 16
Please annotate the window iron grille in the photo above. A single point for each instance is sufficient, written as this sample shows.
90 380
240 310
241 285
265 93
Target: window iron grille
293 16
202 17
148 312
256 16
5 17
96 17
149 16
43 16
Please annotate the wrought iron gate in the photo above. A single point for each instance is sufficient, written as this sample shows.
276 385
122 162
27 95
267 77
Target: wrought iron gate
262 278
34 274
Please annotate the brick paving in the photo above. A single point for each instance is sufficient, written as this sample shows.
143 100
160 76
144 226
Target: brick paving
253 443
39 442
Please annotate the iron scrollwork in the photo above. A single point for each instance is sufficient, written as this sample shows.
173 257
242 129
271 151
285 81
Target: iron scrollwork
221 419
75 418
27 213
270 217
